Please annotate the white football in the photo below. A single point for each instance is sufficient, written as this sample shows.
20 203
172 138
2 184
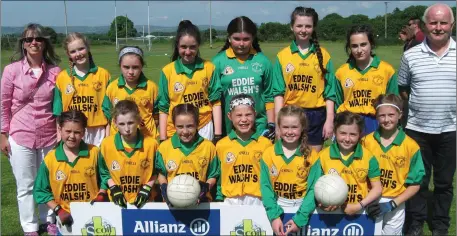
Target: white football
331 190
183 191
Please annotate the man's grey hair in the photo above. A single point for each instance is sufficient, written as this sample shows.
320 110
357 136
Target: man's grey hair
424 17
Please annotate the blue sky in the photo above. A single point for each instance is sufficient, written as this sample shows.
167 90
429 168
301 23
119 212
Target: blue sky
101 13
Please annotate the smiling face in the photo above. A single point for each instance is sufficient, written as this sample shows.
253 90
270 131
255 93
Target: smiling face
33 44
388 117
78 52
241 43
290 129
347 137
131 68
439 24
243 118
71 133
303 28
186 127
360 47
187 49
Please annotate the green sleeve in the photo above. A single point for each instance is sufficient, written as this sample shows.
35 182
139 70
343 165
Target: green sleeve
392 85
308 205
270 89
160 165
278 77
214 88
155 107
330 82
219 195
163 100
339 94
42 192
103 171
107 107
373 169
416 170
213 168
269 198
57 107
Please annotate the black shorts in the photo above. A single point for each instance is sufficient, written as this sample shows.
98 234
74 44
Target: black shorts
316 119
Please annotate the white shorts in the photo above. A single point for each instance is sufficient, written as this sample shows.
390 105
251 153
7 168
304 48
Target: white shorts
392 222
207 131
243 200
284 202
94 135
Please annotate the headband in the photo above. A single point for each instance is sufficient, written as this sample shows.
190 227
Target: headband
388 104
241 101
130 50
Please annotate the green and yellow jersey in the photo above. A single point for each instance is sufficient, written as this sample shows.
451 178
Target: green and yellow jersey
194 84
86 95
144 95
302 79
239 165
63 181
358 169
284 177
400 162
253 76
127 167
357 89
196 159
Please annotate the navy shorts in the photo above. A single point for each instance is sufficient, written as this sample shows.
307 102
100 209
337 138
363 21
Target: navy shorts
316 119
371 124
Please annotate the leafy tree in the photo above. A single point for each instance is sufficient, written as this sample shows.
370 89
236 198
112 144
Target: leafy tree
52 34
205 34
121 21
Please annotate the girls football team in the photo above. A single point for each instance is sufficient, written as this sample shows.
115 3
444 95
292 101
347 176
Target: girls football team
274 127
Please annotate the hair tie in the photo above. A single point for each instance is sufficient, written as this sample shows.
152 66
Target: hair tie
242 101
130 50
388 104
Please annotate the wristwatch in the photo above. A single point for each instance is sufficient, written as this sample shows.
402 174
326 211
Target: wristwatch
57 209
393 204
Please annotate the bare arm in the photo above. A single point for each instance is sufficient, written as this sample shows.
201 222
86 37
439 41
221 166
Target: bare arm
163 126
217 119
409 192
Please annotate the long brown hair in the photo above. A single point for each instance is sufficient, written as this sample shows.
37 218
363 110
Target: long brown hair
297 112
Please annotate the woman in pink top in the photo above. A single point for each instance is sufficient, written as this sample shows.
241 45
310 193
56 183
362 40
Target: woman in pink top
28 128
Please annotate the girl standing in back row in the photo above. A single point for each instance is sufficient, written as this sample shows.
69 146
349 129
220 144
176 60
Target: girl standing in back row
241 67
189 79
363 78
82 87
305 71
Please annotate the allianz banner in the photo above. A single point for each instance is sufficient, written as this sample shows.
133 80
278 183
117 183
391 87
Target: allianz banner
205 219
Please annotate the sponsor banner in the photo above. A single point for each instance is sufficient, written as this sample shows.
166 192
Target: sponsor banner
207 219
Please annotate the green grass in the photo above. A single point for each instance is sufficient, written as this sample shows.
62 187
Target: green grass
106 57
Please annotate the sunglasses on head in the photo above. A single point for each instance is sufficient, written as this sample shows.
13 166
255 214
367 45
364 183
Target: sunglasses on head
37 39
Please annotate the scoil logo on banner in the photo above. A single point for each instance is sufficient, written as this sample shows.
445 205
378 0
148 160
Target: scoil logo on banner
98 226
248 227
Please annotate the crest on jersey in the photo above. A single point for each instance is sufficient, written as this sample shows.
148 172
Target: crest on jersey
228 70
144 101
361 173
377 79
257 67
115 165
69 89
205 82
290 68
230 157
202 161
97 85
257 155
333 171
171 165
317 68
60 175
274 171
89 172
115 101
145 163
178 87
348 83
400 161
302 172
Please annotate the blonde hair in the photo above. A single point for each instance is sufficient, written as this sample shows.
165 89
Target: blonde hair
297 112
390 99
70 38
